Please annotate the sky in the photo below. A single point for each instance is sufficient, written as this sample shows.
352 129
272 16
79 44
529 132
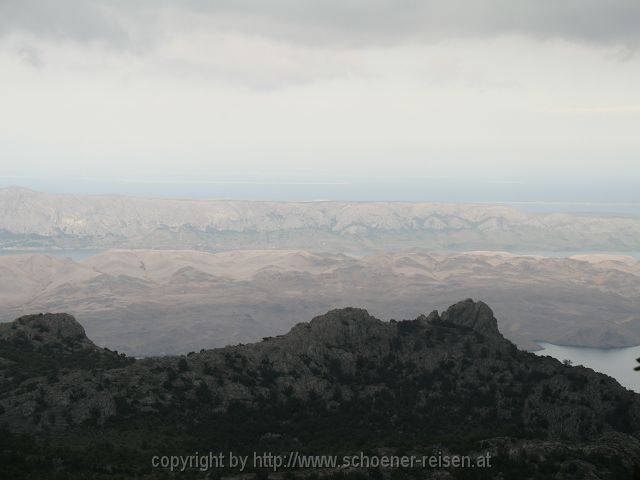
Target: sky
490 100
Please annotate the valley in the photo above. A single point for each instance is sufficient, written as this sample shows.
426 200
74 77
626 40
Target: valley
157 302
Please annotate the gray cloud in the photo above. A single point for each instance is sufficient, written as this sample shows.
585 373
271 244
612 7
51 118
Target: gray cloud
63 19
328 22
31 56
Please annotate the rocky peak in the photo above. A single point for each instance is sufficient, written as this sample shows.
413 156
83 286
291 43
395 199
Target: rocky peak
340 328
46 329
353 327
432 317
475 315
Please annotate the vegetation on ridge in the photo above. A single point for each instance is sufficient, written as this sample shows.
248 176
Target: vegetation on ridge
343 383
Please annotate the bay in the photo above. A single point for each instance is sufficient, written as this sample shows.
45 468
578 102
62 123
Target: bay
618 363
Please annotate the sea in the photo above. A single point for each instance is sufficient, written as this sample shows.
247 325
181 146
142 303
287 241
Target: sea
618 363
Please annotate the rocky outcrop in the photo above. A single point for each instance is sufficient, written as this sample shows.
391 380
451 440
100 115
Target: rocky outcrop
50 373
45 330
476 316
348 328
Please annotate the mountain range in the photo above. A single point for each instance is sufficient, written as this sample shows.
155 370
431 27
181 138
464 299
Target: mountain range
30 219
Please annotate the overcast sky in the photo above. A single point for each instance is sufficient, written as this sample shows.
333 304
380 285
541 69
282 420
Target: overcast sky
362 99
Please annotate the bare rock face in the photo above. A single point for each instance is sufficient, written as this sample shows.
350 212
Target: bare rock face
476 316
344 328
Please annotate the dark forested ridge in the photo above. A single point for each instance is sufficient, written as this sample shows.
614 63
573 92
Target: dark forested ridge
343 383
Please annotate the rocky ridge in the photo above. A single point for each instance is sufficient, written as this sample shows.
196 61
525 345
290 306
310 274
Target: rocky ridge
343 381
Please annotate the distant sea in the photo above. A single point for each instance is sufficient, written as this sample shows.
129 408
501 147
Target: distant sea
78 255
613 194
618 363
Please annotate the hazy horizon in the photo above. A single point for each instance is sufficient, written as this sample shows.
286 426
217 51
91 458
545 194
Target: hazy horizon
550 197
428 101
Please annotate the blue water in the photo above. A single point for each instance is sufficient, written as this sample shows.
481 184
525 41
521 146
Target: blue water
618 363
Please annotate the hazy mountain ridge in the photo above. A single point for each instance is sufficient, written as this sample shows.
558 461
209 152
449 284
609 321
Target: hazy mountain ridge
343 381
33 219
155 302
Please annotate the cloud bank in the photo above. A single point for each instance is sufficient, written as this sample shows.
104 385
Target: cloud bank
493 92
328 22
